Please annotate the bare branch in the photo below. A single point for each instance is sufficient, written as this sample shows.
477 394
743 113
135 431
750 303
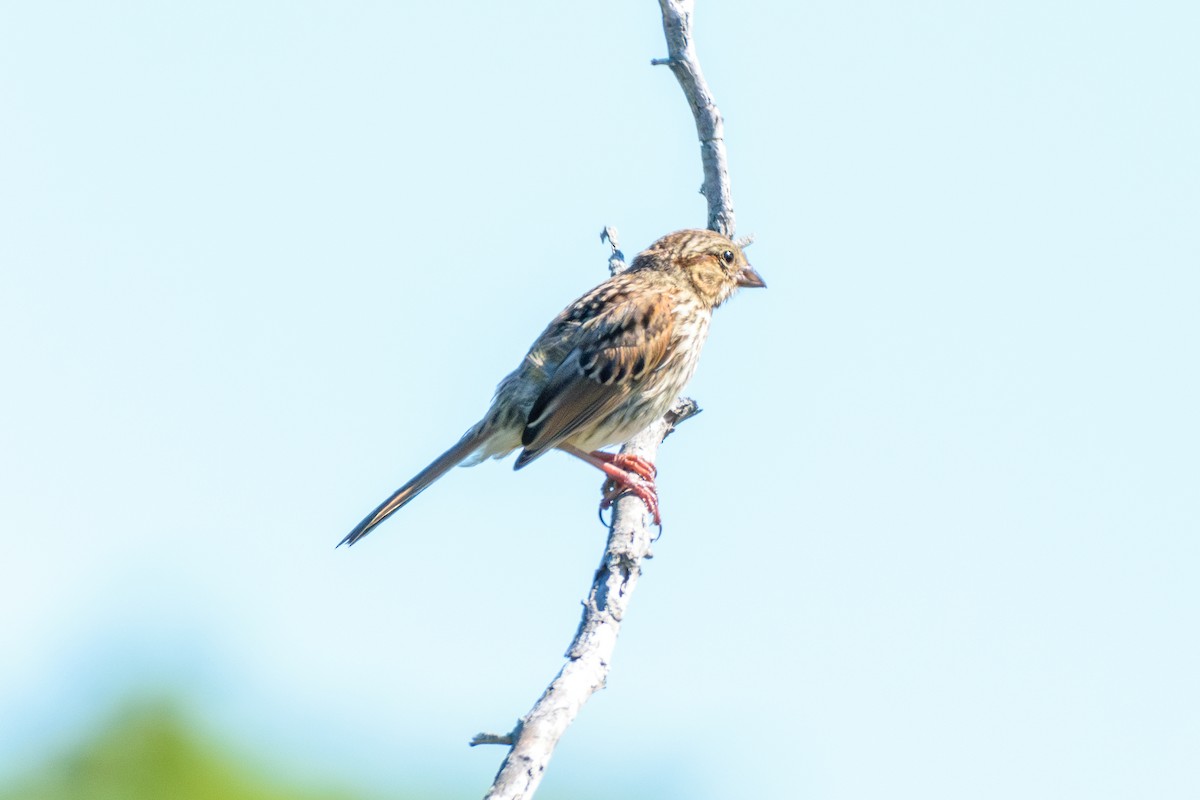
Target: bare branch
682 59
591 651
629 537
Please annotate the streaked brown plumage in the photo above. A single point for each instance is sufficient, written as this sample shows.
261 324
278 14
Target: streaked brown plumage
606 367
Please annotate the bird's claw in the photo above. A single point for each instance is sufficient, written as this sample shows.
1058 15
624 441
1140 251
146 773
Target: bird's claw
642 467
640 487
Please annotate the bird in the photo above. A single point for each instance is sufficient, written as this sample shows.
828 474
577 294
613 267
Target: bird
607 366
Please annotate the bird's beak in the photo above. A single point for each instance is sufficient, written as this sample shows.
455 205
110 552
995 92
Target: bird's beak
750 279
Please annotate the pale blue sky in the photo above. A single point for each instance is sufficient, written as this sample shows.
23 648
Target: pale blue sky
935 536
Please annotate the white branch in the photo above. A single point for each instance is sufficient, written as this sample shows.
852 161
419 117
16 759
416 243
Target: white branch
682 59
629 538
591 651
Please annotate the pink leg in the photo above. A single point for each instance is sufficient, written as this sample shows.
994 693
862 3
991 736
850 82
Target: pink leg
625 474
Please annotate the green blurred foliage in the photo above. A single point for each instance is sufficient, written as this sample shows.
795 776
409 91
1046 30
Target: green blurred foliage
149 751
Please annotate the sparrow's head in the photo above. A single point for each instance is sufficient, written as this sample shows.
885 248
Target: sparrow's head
712 264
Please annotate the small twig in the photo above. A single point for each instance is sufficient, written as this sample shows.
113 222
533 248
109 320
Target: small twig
684 409
616 261
494 738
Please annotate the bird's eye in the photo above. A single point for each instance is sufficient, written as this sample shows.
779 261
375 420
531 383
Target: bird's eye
728 256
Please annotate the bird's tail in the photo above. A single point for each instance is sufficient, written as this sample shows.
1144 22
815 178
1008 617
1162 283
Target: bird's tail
421 481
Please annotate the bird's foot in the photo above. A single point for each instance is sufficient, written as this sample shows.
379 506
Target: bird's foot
631 483
626 474
642 467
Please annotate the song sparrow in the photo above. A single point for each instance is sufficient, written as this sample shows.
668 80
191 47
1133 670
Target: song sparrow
606 367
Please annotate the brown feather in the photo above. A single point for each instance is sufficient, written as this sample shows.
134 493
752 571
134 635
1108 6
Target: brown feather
419 483
615 350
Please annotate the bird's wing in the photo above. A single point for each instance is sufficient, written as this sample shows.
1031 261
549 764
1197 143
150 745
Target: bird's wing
614 348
